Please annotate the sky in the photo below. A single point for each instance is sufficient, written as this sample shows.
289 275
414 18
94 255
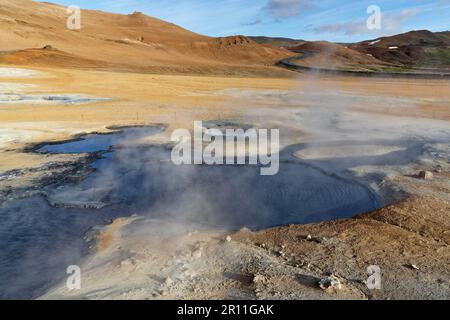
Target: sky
332 20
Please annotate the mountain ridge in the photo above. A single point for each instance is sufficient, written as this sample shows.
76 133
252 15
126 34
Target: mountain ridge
135 41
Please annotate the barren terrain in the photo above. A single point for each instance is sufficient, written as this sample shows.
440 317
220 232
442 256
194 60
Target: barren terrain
86 177
161 259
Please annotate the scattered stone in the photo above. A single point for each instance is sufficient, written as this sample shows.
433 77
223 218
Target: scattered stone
330 284
197 253
426 175
168 281
163 293
127 263
259 279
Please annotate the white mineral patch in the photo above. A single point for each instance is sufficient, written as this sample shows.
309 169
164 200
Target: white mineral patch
10 136
7 88
19 98
18 73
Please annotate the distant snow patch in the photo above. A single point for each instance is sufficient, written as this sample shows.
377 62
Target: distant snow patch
374 42
393 48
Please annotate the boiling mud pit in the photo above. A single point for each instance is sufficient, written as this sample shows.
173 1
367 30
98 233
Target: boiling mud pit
44 234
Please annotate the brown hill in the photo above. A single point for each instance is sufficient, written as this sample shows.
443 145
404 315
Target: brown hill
278 42
322 54
133 41
421 48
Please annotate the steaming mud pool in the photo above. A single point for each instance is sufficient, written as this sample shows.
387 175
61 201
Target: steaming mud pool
43 234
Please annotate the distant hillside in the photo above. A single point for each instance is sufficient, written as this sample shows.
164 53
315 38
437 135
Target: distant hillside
132 42
278 42
421 48
327 55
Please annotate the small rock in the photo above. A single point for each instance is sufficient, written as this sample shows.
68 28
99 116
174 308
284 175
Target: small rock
163 293
332 283
168 281
309 237
127 263
228 239
197 253
426 175
259 279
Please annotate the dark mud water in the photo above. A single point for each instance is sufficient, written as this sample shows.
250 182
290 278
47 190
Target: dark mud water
98 142
41 236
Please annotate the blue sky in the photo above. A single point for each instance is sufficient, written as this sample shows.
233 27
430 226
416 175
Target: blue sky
333 20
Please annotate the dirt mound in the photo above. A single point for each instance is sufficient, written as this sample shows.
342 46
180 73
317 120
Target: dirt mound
278 42
235 41
106 38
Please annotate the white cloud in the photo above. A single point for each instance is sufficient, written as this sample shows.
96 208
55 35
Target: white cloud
281 9
390 23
